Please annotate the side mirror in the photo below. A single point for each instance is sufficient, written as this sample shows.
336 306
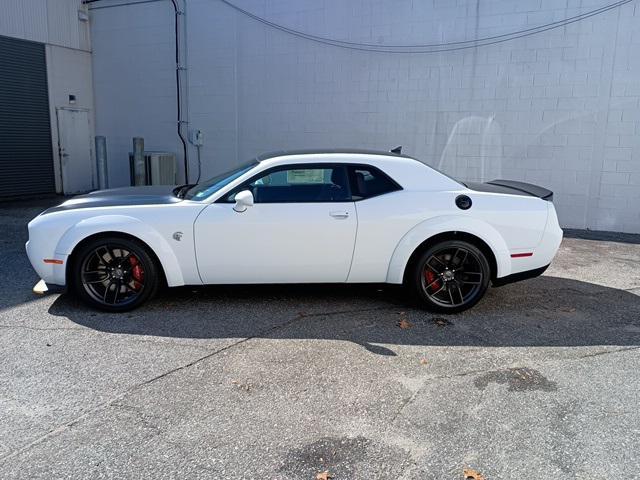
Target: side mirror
243 199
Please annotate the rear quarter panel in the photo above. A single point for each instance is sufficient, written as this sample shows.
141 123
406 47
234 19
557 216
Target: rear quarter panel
520 220
392 226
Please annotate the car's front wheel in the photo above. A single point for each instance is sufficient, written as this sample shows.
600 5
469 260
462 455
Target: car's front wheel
451 276
114 274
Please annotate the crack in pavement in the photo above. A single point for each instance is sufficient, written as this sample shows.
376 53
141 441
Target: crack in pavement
129 390
607 352
132 339
262 333
107 403
429 380
42 329
413 396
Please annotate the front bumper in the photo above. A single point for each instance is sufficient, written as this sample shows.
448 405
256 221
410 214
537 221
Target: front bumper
51 273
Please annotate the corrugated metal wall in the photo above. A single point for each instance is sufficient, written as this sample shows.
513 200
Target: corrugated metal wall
26 157
48 21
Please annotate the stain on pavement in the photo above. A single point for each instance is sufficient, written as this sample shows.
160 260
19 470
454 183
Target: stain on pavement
517 379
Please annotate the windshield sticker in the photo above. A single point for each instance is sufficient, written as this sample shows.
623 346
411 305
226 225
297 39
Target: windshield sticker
315 175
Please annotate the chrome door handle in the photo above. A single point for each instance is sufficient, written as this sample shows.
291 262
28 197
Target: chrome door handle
339 214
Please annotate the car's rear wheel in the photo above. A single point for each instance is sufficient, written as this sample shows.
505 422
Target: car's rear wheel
114 274
451 276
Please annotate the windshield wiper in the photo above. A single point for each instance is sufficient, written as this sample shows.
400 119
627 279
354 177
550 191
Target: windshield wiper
181 190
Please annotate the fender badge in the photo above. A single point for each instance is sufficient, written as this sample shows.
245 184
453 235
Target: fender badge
177 236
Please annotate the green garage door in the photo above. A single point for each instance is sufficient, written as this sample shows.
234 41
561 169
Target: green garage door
26 159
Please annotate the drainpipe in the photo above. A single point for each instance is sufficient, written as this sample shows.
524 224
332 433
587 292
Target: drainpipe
179 68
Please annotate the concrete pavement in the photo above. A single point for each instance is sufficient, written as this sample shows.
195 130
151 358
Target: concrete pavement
540 380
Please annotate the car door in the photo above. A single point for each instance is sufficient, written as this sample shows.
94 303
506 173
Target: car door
301 228
385 214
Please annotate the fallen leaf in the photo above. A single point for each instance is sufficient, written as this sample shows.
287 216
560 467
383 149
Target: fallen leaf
242 386
441 322
404 324
470 474
423 361
324 475
567 309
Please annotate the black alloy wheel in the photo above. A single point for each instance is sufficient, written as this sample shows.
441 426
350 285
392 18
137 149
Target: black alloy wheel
114 274
451 276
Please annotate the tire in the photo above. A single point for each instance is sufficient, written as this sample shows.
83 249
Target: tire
451 276
114 274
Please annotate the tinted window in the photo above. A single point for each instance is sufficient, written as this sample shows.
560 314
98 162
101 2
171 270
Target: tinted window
300 184
369 182
211 186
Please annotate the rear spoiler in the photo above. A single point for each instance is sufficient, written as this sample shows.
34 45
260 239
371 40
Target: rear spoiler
512 187
533 190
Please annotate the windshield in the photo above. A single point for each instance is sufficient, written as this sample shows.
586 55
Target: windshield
211 186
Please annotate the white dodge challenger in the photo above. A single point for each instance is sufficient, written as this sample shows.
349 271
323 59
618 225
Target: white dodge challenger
300 217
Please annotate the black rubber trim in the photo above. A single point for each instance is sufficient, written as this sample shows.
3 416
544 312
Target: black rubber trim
518 277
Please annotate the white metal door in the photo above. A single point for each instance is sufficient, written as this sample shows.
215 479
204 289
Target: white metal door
276 243
74 144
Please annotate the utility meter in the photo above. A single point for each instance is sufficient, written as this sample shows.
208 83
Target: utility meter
196 137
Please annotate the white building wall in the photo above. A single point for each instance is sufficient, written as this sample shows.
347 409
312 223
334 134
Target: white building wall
54 22
560 108
69 73
58 25
134 81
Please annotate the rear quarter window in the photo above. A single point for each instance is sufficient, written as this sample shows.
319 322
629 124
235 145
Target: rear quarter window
367 181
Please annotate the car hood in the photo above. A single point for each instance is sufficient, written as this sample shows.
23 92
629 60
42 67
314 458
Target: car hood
116 197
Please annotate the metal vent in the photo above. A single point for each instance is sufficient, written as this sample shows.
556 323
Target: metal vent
160 168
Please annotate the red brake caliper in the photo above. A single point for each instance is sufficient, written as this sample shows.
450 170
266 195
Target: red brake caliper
430 277
137 272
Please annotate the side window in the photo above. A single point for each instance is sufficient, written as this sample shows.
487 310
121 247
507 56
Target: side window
300 184
367 182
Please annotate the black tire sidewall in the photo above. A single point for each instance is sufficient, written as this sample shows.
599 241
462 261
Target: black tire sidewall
418 272
141 251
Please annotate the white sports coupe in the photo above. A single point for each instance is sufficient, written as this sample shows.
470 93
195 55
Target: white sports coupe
300 217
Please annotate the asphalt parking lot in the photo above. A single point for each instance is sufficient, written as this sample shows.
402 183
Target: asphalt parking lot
540 380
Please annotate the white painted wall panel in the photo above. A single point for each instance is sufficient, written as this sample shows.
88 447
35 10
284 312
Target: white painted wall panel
560 108
134 81
47 21
56 24
34 21
11 19
63 23
69 73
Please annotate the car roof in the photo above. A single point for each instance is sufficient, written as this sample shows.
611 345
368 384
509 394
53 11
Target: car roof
347 151
405 170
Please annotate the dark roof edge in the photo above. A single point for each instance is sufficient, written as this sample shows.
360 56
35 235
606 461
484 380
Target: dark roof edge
288 153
